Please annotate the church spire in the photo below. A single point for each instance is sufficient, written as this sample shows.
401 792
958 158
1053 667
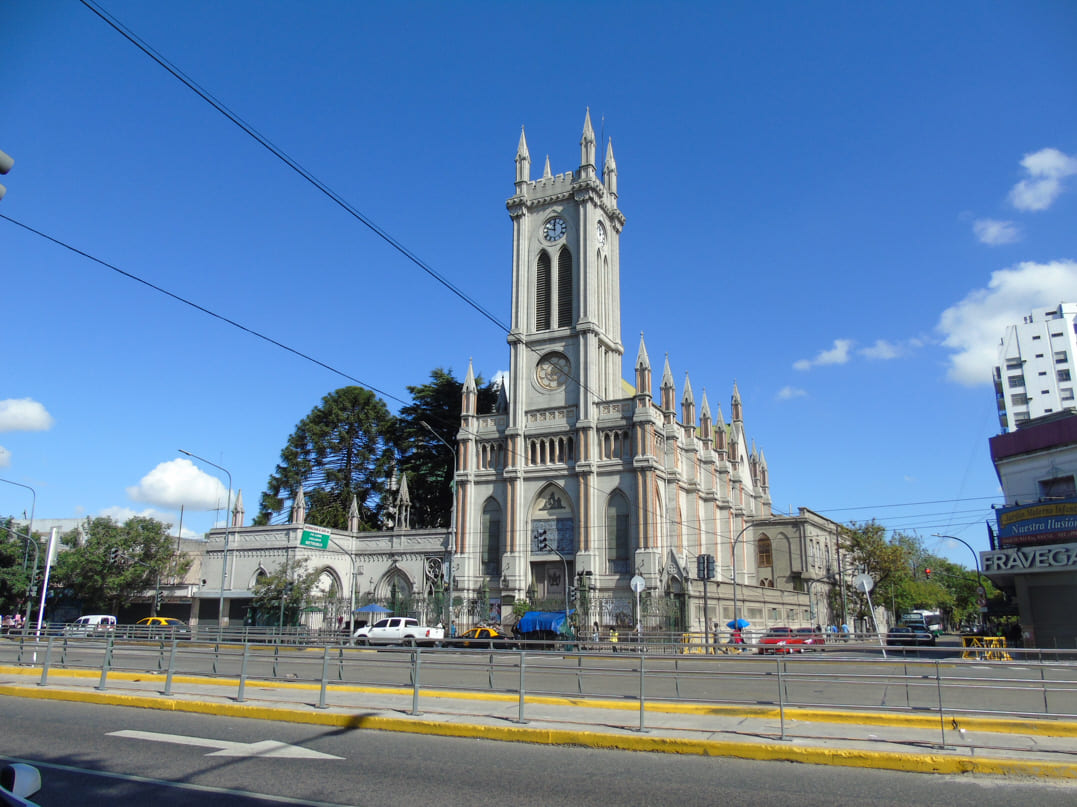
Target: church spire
705 430
403 504
737 414
470 394
587 148
546 172
669 390
237 510
609 172
299 508
688 404
523 163
353 515
643 369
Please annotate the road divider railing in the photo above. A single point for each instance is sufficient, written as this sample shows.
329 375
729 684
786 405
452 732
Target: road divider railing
904 684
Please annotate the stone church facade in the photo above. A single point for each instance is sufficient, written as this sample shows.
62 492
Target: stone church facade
579 481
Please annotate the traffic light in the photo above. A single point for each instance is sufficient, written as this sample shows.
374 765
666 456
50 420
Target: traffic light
701 567
159 600
114 555
710 567
927 573
572 592
5 165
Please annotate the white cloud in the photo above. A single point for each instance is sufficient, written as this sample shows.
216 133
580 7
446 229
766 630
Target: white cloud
121 514
839 354
5 457
993 232
788 393
973 328
882 349
178 483
24 415
1046 169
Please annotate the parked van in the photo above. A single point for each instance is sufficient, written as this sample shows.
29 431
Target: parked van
91 624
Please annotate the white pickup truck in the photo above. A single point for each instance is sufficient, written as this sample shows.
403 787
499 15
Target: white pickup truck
399 630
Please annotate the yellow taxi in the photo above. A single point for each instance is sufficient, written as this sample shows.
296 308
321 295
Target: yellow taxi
484 638
158 626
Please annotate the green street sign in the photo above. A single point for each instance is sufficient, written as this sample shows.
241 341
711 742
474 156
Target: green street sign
314 539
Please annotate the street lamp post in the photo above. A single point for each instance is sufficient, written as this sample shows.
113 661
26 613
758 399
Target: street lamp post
735 541
33 501
30 585
224 554
30 527
980 590
452 517
351 599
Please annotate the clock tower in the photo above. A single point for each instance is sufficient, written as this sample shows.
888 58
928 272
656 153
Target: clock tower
527 495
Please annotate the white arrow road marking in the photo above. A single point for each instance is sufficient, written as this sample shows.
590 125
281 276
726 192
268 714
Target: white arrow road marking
226 748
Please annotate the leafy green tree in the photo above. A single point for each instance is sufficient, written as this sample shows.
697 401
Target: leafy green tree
868 551
14 578
283 591
426 461
116 563
342 449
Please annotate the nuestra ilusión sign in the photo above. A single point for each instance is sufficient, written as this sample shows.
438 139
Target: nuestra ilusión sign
1037 523
1053 558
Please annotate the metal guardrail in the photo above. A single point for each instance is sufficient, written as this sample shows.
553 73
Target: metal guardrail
1037 683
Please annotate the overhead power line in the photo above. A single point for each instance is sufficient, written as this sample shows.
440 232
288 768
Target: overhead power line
291 162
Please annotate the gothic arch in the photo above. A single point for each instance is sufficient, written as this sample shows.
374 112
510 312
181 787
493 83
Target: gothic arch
257 577
764 552
543 291
552 516
564 288
618 536
492 537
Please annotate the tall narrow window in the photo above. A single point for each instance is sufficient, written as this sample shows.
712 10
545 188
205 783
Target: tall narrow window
542 293
564 288
491 538
617 548
765 556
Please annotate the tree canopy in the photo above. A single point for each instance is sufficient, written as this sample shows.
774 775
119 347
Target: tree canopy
281 594
425 459
14 575
116 562
899 566
342 449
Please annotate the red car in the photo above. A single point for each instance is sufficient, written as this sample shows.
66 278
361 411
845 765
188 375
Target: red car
782 640
813 639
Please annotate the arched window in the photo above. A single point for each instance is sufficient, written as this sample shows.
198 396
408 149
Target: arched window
491 538
765 554
564 288
617 540
543 298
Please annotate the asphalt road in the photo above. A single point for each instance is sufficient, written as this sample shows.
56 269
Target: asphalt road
836 678
165 760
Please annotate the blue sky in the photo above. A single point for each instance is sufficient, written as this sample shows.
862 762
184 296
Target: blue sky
839 206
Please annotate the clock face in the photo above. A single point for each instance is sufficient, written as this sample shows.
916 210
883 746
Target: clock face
553 371
600 233
554 229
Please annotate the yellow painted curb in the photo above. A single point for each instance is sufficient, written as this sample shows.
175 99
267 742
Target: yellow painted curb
1026 726
919 763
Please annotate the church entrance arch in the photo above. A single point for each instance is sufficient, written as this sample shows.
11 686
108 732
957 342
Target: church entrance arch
553 525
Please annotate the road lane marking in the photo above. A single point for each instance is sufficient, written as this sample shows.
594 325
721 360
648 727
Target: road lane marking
227 748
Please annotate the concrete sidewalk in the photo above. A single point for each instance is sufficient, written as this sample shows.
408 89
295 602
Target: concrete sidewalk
906 742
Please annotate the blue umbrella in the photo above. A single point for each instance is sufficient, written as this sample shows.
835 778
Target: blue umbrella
737 623
373 608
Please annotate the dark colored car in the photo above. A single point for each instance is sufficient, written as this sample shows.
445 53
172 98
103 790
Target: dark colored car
484 638
904 636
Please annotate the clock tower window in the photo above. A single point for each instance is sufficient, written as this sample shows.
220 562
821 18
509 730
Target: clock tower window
542 293
564 288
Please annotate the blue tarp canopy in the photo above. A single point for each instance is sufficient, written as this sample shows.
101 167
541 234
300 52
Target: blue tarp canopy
372 608
543 620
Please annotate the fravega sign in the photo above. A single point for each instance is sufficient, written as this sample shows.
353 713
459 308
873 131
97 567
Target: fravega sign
1054 558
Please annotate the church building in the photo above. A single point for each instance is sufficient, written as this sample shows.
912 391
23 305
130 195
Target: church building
581 482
